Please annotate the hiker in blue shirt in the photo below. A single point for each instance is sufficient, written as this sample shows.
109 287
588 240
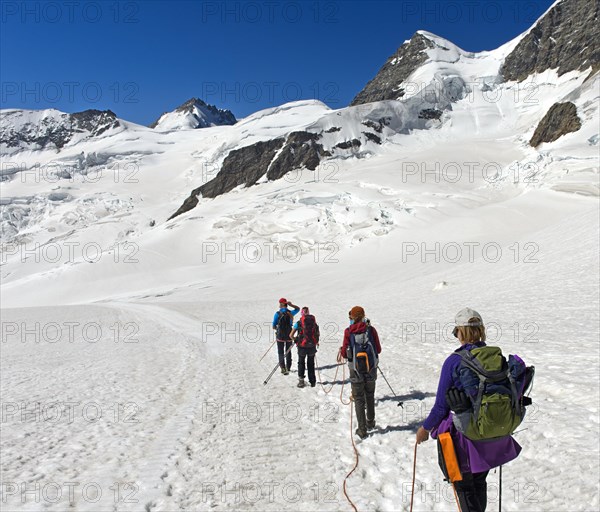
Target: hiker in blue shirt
282 323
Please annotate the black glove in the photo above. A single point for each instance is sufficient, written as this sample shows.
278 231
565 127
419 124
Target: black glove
457 400
526 401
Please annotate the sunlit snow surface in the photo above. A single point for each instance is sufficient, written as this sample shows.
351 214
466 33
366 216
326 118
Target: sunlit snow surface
160 327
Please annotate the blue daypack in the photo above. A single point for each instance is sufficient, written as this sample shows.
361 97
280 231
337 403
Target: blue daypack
364 354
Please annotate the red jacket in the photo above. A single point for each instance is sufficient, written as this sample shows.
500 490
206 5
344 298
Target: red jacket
357 329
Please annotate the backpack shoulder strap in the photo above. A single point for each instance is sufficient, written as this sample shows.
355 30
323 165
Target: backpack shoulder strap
469 361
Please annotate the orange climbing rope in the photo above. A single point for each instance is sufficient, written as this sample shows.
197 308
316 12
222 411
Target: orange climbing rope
327 391
355 454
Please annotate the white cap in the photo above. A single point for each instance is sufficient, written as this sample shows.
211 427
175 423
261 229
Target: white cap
464 315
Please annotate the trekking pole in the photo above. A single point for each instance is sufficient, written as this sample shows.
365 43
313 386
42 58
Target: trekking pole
412 492
277 365
500 492
395 395
268 350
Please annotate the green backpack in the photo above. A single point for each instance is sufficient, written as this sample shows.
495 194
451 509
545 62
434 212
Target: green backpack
495 388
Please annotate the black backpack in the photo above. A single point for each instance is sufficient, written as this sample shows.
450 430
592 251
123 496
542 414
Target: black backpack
284 325
308 336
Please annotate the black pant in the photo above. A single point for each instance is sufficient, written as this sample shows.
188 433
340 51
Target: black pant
306 359
364 397
282 347
472 492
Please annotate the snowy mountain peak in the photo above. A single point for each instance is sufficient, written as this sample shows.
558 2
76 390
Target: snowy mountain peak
440 42
409 57
50 128
192 114
564 38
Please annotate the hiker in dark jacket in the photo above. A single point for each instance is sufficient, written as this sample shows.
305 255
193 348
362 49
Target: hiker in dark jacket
306 336
282 323
475 458
363 387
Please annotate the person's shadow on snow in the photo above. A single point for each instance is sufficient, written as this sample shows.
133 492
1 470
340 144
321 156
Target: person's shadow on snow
415 395
329 366
410 427
334 382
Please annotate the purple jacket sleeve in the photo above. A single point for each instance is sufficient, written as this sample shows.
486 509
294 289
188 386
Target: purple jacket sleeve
440 408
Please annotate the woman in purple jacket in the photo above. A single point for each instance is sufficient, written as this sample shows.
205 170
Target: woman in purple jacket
475 458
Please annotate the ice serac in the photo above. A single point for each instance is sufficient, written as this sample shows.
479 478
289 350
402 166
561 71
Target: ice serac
565 38
194 113
387 84
50 129
561 119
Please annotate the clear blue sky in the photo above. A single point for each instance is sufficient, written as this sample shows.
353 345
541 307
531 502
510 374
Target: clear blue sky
141 58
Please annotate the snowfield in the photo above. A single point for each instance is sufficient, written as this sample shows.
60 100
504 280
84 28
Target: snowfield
131 369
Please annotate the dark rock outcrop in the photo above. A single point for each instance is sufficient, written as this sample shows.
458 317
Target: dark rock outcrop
372 137
430 113
301 150
245 166
561 119
55 130
94 121
348 144
377 126
387 84
565 38
242 167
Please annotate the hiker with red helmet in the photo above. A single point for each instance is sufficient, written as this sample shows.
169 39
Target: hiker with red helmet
282 324
306 336
361 348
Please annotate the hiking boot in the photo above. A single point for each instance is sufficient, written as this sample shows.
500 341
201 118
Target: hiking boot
360 433
284 370
301 383
313 384
370 424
